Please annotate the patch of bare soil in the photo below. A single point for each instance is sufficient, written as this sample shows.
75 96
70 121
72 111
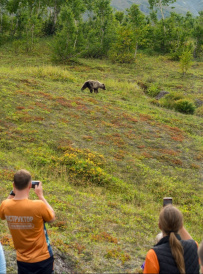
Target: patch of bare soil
62 264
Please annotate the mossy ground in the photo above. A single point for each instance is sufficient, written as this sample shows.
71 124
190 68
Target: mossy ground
106 160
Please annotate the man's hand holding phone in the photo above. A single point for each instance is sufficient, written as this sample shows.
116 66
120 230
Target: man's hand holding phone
39 190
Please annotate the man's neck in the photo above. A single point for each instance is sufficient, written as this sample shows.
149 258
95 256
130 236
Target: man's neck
21 194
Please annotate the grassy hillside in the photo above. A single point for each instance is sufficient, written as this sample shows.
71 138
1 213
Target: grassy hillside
106 160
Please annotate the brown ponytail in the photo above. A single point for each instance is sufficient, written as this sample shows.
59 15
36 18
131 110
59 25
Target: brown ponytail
171 220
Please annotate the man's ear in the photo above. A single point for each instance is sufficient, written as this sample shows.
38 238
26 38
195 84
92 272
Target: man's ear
30 185
159 226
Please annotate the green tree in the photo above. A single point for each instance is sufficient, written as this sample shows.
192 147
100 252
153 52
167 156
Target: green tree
68 39
100 29
122 49
172 35
160 5
185 61
119 16
136 20
198 35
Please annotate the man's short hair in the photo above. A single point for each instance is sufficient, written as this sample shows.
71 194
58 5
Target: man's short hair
200 252
21 179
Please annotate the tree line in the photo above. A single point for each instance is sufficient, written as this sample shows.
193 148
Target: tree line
92 28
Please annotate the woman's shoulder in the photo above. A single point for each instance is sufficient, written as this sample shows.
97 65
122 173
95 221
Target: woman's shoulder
190 244
151 262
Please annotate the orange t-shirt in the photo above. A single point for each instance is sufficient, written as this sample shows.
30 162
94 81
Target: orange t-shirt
151 263
25 220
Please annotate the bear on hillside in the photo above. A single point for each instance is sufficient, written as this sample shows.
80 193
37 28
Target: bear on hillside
93 85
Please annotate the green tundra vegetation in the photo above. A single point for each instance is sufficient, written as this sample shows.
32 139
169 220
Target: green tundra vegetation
106 160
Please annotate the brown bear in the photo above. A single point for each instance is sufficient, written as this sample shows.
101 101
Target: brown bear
93 85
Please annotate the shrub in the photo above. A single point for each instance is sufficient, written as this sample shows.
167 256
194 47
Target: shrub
185 61
122 58
153 90
174 96
155 102
184 106
122 50
94 50
170 99
199 111
17 46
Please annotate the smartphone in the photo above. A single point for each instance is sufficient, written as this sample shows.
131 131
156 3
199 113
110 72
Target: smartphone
34 183
167 201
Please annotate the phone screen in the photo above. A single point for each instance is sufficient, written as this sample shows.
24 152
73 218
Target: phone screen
35 183
167 201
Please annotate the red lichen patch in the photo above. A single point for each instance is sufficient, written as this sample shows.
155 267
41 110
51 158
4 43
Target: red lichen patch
177 162
116 122
65 121
179 138
116 135
199 157
112 204
7 240
169 151
26 118
74 115
118 141
6 174
64 144
102 143
120 155
195 166
59 224
45 95
81 107
78 247
38 118
77 102
92 100
20 108
64 102
88 138
175 132
19 91
25 93
147 155
79 98
145 117
41 105
129 118
104 236
174 129
107 124
141 146
118 254
132 136
29 82
30 139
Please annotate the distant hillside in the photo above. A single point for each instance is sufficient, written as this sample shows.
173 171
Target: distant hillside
193 6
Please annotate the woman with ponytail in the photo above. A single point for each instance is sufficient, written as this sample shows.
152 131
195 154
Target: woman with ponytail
176 252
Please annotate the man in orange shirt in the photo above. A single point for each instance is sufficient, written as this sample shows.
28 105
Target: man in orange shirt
26 221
